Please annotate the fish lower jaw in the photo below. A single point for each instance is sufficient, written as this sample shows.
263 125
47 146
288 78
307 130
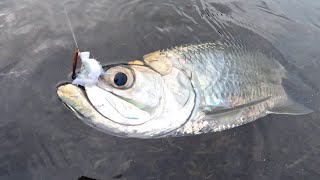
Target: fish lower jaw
70 95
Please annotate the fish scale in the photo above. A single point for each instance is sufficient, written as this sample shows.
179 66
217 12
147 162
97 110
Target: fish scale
229 76
227 71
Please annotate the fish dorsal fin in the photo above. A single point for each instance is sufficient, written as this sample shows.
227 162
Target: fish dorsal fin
221 110
290 107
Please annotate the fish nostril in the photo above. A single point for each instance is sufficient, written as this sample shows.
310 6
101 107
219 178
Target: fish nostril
81 87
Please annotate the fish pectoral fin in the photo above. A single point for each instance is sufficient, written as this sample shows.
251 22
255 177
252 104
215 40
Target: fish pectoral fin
221 110
231 117
290 107
226 120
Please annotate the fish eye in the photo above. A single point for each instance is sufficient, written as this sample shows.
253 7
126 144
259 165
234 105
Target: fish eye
119 77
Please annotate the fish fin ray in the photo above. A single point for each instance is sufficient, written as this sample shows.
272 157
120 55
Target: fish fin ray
232 117
221 110
290 107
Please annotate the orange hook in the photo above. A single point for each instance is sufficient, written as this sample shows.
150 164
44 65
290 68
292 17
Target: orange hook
74 63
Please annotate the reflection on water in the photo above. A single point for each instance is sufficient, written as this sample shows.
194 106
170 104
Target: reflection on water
40 139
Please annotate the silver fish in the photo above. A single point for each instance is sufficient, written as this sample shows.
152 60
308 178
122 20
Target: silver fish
182 91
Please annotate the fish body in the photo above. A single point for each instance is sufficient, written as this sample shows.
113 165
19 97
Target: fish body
182 91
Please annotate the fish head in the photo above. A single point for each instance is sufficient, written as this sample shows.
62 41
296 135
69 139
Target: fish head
132 100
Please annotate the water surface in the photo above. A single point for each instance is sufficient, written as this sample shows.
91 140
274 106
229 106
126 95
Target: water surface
41 139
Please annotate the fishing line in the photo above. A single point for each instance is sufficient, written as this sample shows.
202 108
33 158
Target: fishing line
76 53
70 26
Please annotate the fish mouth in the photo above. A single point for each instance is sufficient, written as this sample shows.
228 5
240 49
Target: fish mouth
70 94
75 98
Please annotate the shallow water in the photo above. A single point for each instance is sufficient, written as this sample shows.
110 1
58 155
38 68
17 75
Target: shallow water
41 139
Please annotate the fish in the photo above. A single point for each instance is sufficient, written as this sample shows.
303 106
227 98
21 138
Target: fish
182 91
